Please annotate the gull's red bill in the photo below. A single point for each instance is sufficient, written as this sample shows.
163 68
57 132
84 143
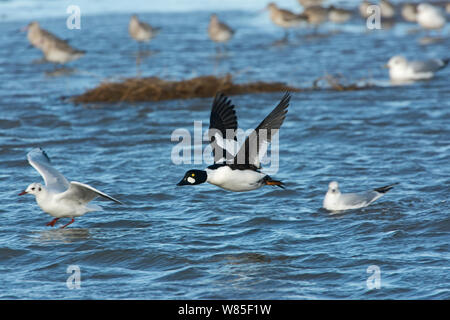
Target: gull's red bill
22 193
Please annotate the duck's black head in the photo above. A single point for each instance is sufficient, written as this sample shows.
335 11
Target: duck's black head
193 177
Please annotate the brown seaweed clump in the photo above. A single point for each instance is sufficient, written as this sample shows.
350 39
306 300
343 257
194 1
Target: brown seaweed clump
156 89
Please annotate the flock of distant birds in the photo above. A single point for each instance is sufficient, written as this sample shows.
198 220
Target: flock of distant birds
428 16
235 170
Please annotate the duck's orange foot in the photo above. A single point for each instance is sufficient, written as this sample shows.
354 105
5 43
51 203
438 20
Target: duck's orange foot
268 181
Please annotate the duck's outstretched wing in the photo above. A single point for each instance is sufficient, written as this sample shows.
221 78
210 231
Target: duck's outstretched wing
255 145
222 128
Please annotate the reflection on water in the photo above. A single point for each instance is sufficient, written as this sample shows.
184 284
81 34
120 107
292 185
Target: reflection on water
317 36
280 42
243 271
60 71
141 56
427 40
39 61
395 82
66 235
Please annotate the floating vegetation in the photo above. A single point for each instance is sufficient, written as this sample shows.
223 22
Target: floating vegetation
156 89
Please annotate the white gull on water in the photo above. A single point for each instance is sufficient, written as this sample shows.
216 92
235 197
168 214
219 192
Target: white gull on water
337 201
59 197
400 69
430 17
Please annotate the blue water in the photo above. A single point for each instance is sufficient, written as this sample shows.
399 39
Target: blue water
168 242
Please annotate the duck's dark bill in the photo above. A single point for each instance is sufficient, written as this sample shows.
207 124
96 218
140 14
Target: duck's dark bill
22 193
182 183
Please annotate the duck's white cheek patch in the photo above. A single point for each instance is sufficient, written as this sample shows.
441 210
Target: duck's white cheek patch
190 180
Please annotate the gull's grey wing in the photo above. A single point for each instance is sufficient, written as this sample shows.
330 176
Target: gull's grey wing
83 193
432 65
54 180
257 141
363 199
222 126
359 200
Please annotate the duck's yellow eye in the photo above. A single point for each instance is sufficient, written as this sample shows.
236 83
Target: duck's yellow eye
193 175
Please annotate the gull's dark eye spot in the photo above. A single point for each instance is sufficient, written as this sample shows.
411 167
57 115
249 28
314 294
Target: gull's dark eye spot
39 188
33 188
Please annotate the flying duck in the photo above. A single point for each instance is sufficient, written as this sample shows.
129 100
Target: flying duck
239 171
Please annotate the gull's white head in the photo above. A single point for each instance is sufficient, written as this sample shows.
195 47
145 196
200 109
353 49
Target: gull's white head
397 61
333 187
34 188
